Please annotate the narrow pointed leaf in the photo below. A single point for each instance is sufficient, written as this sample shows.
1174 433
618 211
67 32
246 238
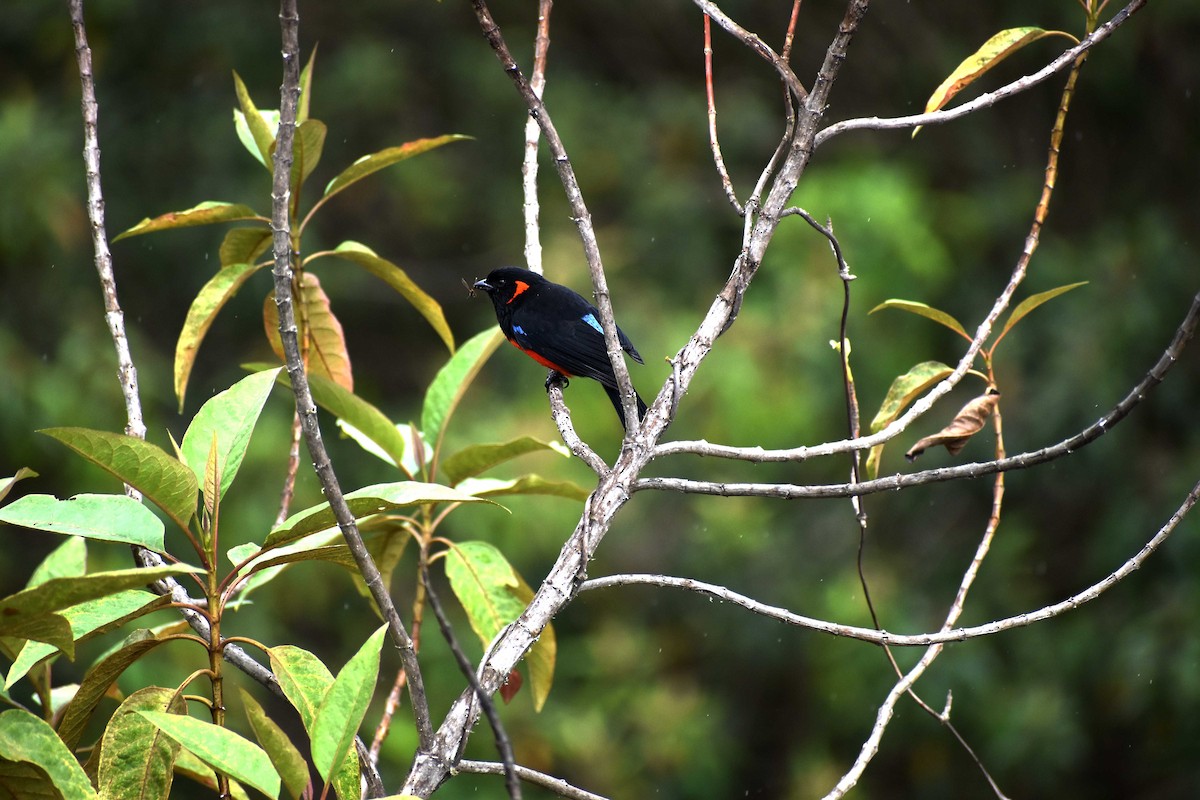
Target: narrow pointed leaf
473 460
327 354
261 132
365 502
991 53
161 478
136 759
1032 302
288 761
452 380
395 277
46 627
104 517
526 484
229 416
374 162
241 126
244 245
366 418
925 311
87 620
98 679
211 299
222 749
306 87
6 484
33 758
206 213
344 706
305 681
57 594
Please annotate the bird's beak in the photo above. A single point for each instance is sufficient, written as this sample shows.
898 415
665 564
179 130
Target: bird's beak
484 285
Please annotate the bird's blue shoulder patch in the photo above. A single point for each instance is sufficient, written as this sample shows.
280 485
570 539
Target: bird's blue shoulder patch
590 319
518 329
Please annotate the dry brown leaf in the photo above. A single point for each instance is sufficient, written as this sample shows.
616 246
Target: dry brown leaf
968 422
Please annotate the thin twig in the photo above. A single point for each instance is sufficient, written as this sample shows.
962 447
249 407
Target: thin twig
562 419
991 98
1022 461
556 785
755 43
529 165
713 141
883 637
511 781
280 225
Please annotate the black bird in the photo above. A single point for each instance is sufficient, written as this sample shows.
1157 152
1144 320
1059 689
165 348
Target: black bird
557 328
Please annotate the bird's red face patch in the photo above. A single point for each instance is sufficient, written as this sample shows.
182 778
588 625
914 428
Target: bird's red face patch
518 287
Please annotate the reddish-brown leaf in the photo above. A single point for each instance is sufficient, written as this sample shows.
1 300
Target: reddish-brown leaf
968 422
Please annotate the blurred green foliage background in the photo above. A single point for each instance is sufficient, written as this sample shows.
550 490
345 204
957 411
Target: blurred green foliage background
659 693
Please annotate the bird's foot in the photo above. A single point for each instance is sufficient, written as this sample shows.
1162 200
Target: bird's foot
556 378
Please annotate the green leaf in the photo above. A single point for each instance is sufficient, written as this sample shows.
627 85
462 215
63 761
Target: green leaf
219 290
244 245
327 353
162 479
904 390
452 381
288 761
303 678
366 418
87 620
104 517
526 484
1032 302
344 706
414 444
32 606
483 580
33 758
6 484
222 749
65 561
231 417
241 126
309 143
473 460
305 681
261 132
44 627
136 759
395 277
365 502
206 213
993 51
306 87
97 681
925 311
374 162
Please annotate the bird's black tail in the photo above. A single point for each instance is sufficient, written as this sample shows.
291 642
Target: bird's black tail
614 394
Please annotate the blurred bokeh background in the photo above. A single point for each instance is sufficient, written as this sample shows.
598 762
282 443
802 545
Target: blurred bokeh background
659 693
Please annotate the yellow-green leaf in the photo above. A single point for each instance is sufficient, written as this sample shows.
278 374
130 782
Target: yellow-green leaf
242 245
205 213
991 53
923 310
211 299
395 277
35 757
475 459
374 162
261 132
904 390
1032 302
